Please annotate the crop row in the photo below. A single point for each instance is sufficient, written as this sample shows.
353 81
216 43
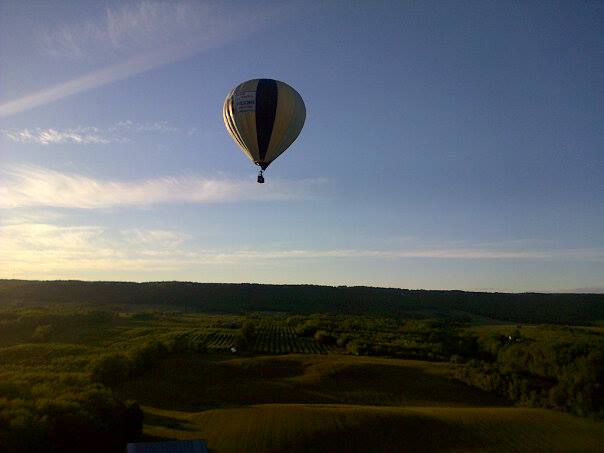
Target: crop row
201 340
281 339
269 338
221 340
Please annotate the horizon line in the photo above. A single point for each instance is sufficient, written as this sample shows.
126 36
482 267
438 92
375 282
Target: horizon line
577 291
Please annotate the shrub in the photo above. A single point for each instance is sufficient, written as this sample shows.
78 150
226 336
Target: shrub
41 333
111 370
92 420
357 347
144 358
248 331
343 340
324 338
307 329
456 358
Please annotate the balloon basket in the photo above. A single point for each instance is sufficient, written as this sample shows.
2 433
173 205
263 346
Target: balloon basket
260 178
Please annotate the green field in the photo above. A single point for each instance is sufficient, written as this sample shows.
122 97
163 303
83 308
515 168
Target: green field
318 382
223 382
321 403
320 427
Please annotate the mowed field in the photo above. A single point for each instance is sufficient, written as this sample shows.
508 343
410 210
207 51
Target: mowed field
332 402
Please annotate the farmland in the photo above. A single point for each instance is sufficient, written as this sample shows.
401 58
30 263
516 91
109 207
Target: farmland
280 381
295 402
271 337
311 427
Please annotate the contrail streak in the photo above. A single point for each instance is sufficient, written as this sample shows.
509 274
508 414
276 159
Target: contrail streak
234 28
112 73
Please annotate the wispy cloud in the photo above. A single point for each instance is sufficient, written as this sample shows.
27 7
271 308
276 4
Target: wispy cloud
44 249
157 126
138 37
131 28
87 135
34 186
91 80
154 238
54 136
433 253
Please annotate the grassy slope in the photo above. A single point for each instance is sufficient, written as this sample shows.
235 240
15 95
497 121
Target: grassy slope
207 383
287 427
342 403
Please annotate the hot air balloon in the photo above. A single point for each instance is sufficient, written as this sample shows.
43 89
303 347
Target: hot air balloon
264 117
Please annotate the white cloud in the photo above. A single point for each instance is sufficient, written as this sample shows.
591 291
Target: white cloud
46 249
157 126
33 186
44 237
131 28
157 238
434 253
54 136
87 135
41 248
135 38
35 215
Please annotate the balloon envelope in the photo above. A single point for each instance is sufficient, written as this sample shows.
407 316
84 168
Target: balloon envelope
264 117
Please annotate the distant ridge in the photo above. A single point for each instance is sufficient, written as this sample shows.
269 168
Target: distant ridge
562 308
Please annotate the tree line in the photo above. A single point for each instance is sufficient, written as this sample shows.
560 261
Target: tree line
305 299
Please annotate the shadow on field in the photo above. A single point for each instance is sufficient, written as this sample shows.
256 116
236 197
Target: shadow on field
195 382
384 384
408 433
150 438
167 422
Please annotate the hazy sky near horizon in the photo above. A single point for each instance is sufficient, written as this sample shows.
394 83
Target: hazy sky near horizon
453 145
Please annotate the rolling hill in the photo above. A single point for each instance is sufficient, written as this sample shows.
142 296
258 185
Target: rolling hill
325 403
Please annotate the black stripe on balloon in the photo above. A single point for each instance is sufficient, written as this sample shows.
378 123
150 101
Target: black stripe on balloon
266 109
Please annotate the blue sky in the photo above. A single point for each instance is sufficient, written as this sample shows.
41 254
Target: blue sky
453 145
